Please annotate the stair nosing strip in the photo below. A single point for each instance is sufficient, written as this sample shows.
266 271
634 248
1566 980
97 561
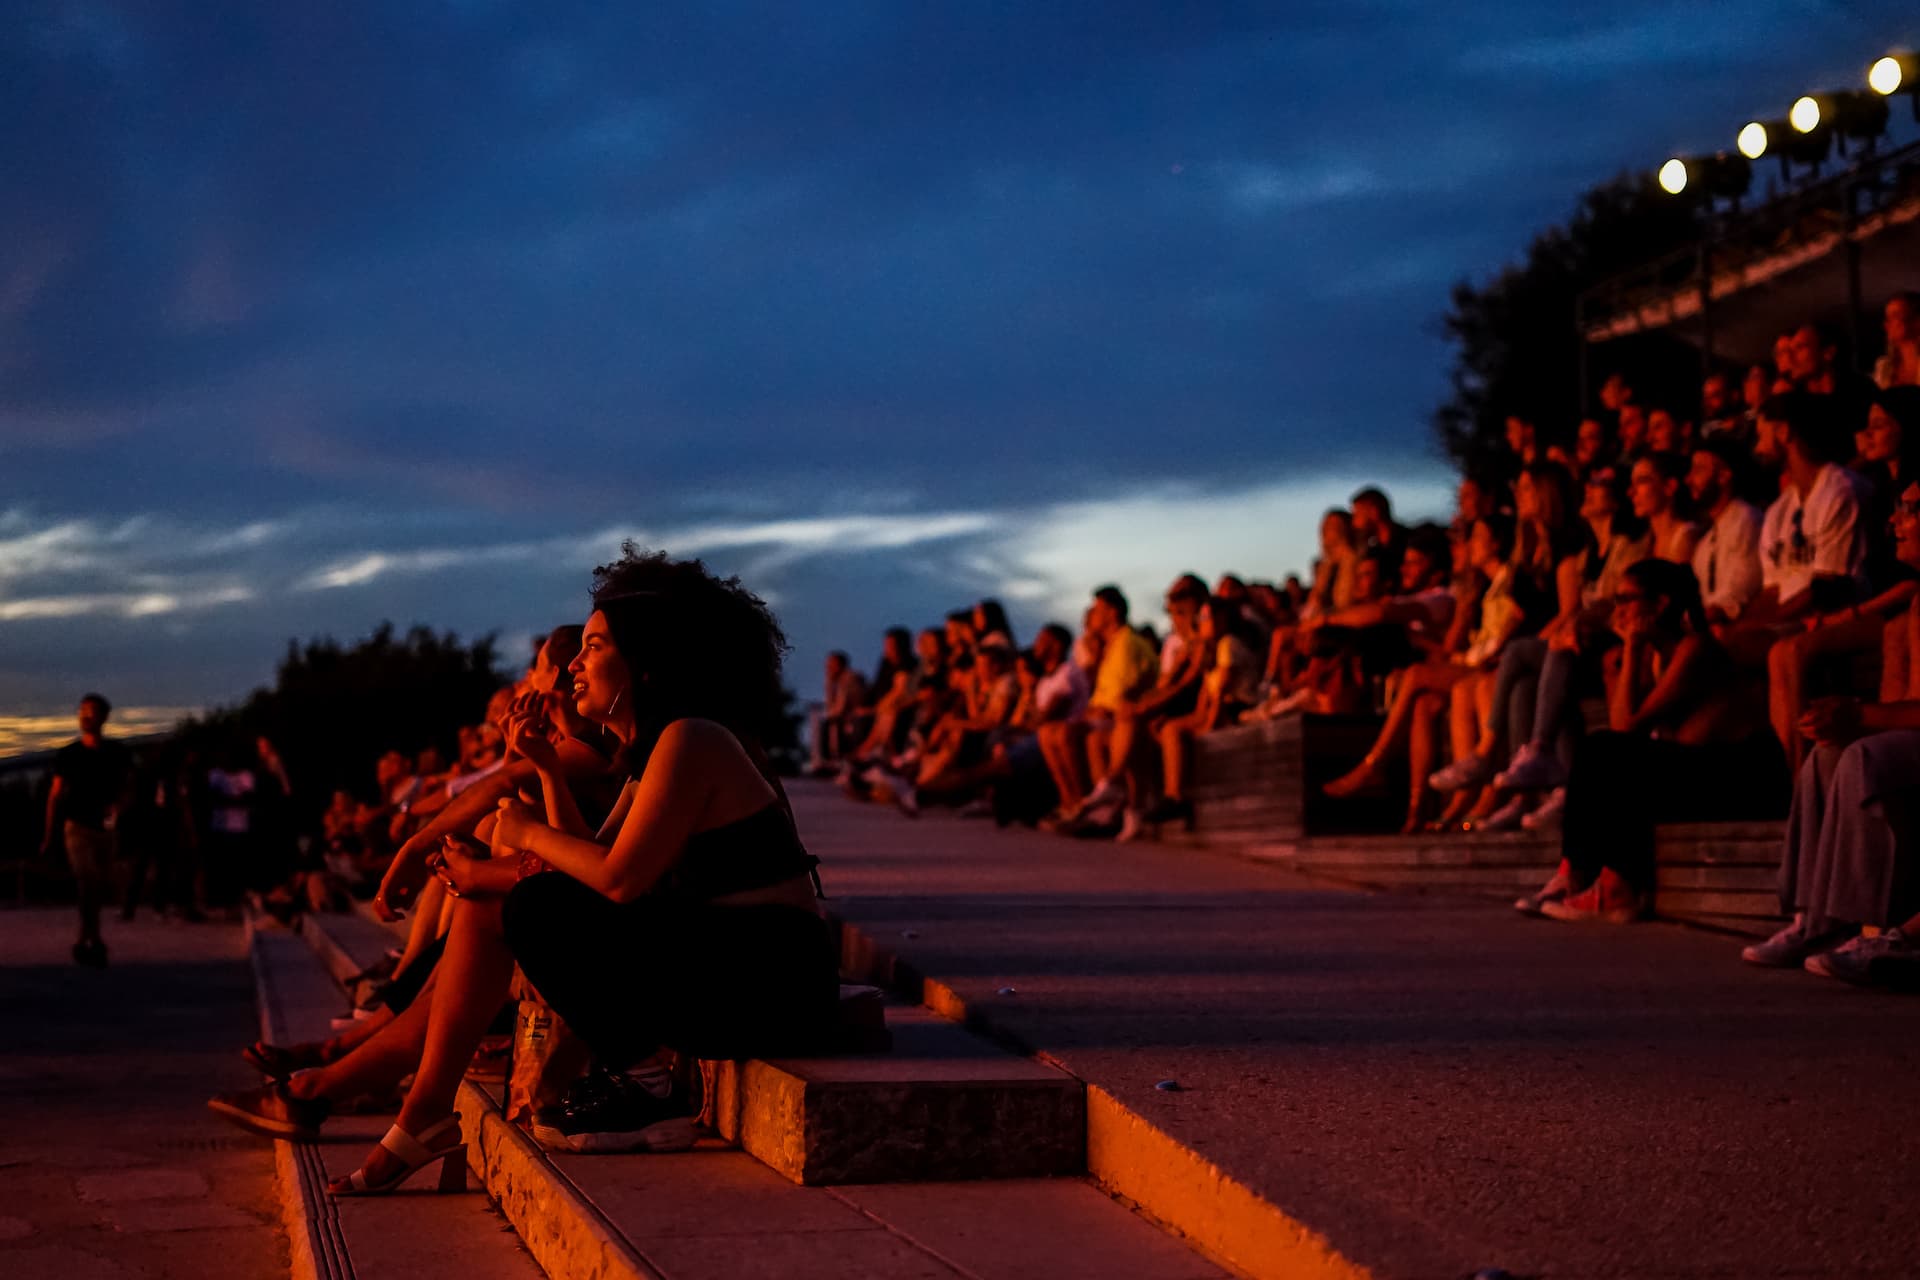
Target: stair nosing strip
316 1244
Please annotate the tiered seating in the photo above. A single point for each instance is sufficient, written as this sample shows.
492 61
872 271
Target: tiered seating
1259 784
1256 792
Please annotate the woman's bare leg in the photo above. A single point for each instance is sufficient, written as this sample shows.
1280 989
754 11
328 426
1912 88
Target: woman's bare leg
1173 758
474 973
1429 677
1119 749
426 924
1423 746
377 1064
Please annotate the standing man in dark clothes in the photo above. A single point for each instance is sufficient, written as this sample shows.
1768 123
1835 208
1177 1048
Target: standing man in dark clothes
90 776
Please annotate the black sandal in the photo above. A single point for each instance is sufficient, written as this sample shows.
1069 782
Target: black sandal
278 1062
273 1112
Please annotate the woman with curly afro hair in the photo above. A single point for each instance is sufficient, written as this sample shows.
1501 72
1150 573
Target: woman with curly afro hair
688 922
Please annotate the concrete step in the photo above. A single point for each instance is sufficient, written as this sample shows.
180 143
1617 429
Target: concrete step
716 1213
412 1235
941 1104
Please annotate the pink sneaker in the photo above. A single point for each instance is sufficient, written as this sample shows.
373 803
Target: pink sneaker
1607 899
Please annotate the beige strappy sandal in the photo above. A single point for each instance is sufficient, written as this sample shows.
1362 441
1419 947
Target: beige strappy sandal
415 1155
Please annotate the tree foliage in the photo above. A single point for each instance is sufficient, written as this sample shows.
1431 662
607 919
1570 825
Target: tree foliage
1517 350
334 709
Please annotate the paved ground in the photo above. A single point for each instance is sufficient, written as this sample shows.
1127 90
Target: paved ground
1436 1086
109 1168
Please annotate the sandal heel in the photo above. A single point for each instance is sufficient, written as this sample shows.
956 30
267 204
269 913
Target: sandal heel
453 1171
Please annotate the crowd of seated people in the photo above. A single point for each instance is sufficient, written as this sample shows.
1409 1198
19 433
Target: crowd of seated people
1663 613
629 861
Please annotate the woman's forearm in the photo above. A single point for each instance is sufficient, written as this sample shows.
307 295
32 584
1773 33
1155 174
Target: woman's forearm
577 856
471 805
563 812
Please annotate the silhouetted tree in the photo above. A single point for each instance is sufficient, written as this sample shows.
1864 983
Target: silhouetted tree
1516 347
333 709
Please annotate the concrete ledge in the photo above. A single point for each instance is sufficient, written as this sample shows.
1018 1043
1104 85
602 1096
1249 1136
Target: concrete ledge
564 1230
1142 1164
1132 1159
944 1105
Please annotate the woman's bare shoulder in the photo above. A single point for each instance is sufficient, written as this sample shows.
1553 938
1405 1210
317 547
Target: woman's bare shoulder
694 736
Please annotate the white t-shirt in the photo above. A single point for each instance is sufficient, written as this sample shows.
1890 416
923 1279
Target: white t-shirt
1173 652
1727 561
1067 682
1436 610
1818 538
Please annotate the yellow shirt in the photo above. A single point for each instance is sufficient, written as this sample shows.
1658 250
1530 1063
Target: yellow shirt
1128 665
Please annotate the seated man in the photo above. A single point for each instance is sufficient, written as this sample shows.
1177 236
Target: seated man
1727 558
838 722
1849 855
1120 758
1812 545
1128 665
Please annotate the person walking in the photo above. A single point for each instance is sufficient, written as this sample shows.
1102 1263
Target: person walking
90 778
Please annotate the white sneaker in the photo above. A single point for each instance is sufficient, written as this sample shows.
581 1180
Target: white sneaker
903 794
1854 961
1553 890
1508 816
1786 949
1467 771
1532 770
1547 816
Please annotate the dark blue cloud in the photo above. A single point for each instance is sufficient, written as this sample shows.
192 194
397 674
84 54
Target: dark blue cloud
412 277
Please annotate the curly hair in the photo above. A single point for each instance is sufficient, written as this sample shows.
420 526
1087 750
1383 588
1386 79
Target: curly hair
697 645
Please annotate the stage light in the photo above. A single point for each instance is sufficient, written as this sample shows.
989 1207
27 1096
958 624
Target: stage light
1753 140
1806 115
1895 73
1885 77
1723 176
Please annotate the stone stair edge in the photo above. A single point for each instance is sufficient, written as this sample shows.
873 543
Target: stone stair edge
315 1245
758 1101
563 1230
1128 1156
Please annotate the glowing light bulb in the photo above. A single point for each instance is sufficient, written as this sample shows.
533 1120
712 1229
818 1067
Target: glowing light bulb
1673 177
1753 140
1806 115
1885 77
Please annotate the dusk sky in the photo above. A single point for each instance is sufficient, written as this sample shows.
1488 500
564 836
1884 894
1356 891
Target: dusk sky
313 315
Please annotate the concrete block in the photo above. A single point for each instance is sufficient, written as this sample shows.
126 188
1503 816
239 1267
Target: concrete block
943 1105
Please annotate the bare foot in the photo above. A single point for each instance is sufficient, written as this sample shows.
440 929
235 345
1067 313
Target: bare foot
1365 776
1456 811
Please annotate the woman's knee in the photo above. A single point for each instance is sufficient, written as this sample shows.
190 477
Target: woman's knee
528 911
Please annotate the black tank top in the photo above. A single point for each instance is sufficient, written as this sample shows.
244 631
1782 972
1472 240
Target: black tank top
754 852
